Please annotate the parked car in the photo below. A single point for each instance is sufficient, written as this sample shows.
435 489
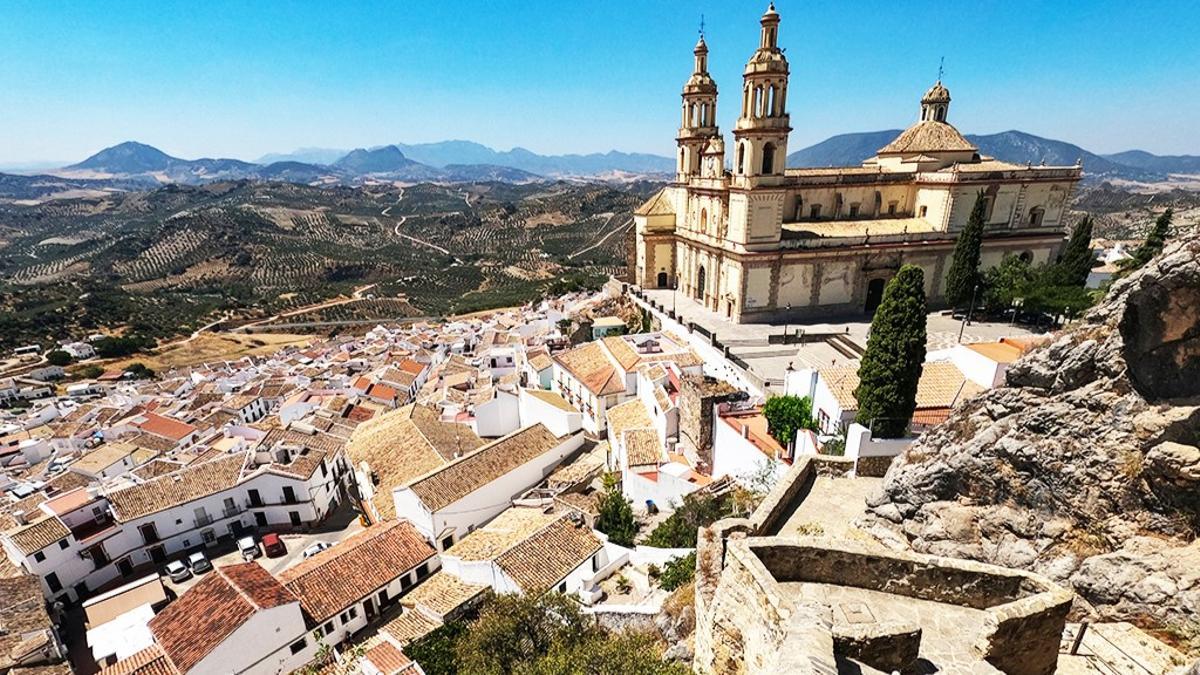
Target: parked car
249 548
199 563
273 545
178 571
316 547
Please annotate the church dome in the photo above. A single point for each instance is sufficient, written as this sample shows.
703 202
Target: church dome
928 136
936 94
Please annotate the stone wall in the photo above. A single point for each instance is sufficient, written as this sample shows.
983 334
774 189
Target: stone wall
872 467
697 398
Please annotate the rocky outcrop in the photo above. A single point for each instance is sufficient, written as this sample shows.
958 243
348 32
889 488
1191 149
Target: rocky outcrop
1086 467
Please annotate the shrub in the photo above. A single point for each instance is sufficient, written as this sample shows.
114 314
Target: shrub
58 358
696 511
616 515
678 571
786 415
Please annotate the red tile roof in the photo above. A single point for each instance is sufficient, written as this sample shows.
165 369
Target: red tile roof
194 625
153 423
334 579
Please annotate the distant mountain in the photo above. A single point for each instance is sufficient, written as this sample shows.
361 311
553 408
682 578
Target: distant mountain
445 153
1017 147
41 186
387 159
1162 163
304 156
128 157
843 149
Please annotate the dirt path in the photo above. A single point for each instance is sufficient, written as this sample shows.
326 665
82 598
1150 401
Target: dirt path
620 228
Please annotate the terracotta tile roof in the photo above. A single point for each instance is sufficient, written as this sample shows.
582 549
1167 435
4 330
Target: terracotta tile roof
642 447
446 485
928 136
1000 352
408 626
552 398
149 661
541 362
411 367
443 594
942 385
403 444
190 483
543 560
155 468
193 626
37 536
165 427
589 364
318 441
670 348
336 578
149 442
629 415
512 525
387 659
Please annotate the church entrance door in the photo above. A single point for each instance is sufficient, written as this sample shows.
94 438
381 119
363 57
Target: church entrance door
700 284
874 294
662 279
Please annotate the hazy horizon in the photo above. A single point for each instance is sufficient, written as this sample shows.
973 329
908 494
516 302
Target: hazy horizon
242 81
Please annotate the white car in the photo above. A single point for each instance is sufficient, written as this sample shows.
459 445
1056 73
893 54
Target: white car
178 571
199 563
316 548
249 548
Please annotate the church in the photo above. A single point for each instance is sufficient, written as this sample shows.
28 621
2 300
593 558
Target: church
754 239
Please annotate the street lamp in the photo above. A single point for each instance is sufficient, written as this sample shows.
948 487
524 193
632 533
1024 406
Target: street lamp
787 315
970 311
1017 302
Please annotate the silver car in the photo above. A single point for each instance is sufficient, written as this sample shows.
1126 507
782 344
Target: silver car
178 571
199 563
249 548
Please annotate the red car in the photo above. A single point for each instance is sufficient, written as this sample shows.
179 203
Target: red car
273 545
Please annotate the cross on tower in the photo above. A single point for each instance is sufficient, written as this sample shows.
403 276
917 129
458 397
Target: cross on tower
941 68
701 25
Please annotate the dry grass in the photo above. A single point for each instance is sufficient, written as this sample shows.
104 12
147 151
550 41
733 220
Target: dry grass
212 347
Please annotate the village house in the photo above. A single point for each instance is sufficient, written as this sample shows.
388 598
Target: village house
449 501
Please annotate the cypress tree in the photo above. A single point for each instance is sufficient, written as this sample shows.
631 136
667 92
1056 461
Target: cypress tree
964 268
1076 261
1154 243
891 366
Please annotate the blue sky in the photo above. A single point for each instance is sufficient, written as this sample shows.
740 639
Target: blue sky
240 79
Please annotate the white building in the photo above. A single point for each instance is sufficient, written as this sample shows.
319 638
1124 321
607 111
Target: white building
450 501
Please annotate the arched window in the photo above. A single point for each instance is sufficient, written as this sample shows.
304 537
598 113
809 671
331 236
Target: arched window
682 160
1036 214
758 102
1026 257
704 220
768 161
771 101
662 280
941 113
700 279
692 116
741 163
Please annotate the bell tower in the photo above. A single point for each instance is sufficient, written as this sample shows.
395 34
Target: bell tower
935 104
699 122
761 132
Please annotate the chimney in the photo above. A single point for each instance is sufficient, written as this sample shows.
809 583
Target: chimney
745 431
19 516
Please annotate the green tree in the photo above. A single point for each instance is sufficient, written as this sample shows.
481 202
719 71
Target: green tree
697 510
91 372
1076 261
1153 245
964 268
629 653
1006 282
139 371
891 366
786 415
58 357
616 515
519 629
437 651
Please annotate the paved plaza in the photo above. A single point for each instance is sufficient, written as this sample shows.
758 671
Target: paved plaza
750 341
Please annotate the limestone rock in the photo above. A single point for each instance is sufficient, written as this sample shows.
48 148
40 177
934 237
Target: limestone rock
1085 467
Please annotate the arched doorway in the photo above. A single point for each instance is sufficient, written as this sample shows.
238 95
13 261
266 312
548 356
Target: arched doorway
874 294
662 279
700 284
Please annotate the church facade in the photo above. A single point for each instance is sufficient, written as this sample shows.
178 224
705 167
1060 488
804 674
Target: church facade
757 239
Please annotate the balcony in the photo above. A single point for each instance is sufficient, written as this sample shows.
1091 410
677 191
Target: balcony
203 520
230 511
